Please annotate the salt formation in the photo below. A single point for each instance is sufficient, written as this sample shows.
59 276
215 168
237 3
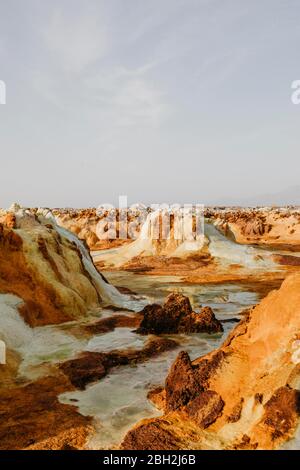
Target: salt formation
85 224
49 269
164 233
179 239
229 252
13 330
32 344
107 292
273 227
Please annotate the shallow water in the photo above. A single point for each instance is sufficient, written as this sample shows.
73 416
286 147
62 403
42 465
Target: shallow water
227 300
119 400
229 252
120 338
38 345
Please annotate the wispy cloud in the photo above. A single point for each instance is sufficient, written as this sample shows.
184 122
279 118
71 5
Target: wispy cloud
127 96
192 87
76 41
79 72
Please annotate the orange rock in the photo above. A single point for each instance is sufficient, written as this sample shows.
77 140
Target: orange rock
47 271
245 394
33 418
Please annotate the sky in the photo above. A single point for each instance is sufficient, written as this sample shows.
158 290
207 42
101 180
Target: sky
165 101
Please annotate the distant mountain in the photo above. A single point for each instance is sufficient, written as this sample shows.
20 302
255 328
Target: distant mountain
289 196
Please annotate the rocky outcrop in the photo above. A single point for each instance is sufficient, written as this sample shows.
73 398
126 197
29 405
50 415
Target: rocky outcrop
202 322
185 380
162 236
110 323
152 435
176 316
92 366
49 269
245 395
273 227
33 418
209 250
84 224
277 227
182 384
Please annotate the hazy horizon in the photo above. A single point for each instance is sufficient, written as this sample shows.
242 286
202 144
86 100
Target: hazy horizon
176 101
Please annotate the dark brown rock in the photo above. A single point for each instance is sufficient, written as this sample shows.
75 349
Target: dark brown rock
181 383
110 323
258 397
92 366
204 321
89 367
207 367
235 416
244 444
151 323
282 411
186 380
205 408
32 417
166 319
176 316
149 436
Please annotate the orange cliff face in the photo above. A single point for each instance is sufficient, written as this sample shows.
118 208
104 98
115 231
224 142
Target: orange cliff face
244 395
47 270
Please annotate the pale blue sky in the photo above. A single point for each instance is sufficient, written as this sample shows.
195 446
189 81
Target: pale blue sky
162 100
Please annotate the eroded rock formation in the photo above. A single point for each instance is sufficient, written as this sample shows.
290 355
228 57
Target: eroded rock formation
85 224
278 227
49 269
245 395
267 227
176 316
91 366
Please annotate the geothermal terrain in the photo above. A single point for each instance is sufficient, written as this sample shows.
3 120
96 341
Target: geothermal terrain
149 342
